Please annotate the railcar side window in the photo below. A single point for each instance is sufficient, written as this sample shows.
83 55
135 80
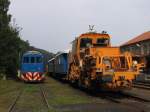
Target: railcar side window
38 60
26 60
85 42
32 59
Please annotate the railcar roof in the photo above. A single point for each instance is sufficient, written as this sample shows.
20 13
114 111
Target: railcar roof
94 33
32 53
85 35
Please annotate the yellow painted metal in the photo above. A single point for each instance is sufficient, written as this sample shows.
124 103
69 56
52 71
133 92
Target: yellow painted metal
100 63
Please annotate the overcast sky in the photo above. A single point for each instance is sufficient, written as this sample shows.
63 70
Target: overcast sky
53 24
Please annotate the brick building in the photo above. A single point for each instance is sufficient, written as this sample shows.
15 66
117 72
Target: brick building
139 45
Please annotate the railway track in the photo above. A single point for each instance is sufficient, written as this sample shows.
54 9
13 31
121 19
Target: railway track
141 85
44 97
43 100
43 94
136 98
112 97
129 97
13 105
123 98
119 97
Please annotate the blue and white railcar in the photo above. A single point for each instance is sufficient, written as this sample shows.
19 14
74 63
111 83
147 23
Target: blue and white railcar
32 67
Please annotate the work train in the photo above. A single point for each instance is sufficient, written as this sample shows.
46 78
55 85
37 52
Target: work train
93 63
33 68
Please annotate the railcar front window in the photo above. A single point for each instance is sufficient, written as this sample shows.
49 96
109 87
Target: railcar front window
38 59
32 60
85 42
26 60
102 42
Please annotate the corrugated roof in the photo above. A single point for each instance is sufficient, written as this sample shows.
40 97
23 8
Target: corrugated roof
142 37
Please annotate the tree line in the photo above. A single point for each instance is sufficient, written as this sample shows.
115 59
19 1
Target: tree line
11 45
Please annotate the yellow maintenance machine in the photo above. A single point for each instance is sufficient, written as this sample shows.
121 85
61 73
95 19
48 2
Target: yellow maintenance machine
94 64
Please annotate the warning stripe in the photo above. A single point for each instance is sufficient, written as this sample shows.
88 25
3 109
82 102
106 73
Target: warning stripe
32 76
35 76
29 76
35 73
38 77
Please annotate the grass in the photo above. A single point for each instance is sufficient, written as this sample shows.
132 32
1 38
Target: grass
57 94
31 88
62 99
63 94
8 91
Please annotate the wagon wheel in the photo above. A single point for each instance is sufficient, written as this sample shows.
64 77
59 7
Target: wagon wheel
87 82
81 82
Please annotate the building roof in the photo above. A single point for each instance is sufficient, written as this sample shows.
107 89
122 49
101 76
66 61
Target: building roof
142 37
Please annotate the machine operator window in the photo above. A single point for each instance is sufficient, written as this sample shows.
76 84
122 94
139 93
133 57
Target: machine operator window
26 60
32 59
85 42
102 42
38 60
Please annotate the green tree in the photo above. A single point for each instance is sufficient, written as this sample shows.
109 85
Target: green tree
11 46
4 16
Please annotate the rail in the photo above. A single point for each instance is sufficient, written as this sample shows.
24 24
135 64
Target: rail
11 108
141 85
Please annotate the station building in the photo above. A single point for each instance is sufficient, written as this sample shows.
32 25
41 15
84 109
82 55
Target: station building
139 45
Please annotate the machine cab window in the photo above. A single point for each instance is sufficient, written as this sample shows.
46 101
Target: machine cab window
102 42
85 42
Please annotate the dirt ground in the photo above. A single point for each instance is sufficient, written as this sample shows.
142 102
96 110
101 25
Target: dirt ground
62 97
